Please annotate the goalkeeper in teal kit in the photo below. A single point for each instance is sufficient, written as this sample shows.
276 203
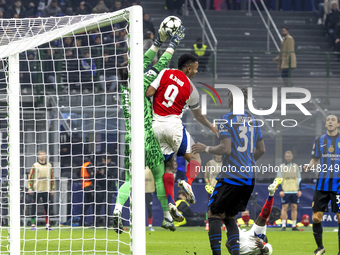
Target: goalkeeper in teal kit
154 158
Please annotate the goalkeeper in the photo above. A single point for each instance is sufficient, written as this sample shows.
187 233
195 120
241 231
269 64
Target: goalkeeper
154 158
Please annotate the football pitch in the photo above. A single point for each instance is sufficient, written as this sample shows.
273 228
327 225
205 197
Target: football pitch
185 240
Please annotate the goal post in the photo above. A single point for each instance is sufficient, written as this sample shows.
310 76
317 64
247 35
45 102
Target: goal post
137 151
49 99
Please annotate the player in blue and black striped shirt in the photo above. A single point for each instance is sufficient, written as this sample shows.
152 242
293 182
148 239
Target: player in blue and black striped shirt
241 144
326 148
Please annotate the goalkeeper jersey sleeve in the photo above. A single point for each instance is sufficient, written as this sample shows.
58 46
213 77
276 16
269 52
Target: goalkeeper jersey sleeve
153 72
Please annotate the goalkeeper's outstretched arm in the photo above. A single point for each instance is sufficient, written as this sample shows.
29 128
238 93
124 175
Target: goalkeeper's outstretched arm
152 51
164 60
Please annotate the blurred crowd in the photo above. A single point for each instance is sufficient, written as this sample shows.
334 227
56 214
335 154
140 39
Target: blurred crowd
47 8
329 17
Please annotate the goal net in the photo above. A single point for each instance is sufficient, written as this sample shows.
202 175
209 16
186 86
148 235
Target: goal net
62 134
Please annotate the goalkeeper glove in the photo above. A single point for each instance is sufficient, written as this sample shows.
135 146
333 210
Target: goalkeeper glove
177 37
161 37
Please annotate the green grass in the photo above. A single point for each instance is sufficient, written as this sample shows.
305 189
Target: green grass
185 240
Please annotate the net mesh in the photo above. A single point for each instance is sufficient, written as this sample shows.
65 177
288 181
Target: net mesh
70 110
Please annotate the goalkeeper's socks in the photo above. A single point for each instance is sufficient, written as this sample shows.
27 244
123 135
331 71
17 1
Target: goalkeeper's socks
193 169
215 235
267 208
169 184
167 215
317 232
233 236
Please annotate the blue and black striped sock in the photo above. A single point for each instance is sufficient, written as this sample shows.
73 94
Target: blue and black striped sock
215 235
317 232
233 236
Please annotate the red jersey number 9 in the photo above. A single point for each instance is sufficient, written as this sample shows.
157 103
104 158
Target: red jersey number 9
170 95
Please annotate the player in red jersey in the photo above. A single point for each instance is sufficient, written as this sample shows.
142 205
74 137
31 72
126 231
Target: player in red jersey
172 90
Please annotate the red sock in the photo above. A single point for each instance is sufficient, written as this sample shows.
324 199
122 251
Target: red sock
169 184
267 208
150 221
193 169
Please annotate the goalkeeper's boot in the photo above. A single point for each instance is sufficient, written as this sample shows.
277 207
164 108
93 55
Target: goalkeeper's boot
319 251
186 187
117 223
176 215
209 188
273 187
167 224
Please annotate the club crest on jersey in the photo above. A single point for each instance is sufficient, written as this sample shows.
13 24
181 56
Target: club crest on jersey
338 144
331 149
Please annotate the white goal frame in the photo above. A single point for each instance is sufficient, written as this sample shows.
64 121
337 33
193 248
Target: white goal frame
137 132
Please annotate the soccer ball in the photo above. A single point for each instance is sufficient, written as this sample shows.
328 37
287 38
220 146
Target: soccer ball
170 25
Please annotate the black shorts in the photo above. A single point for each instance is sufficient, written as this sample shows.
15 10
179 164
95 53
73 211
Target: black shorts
290 198
229 199
322 198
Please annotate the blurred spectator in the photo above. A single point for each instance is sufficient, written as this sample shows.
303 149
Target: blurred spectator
31 10
87 174
286 60
52 9
97 46
17 10
79 47
200 51
173 5
3 4
88 72
190 218
149 190
28 70
83 8
322 7
68 42
70 67
147 24
100 192
1 13
109 167
337 40
332 20
117 5
65 152
108 78
49 67
100 7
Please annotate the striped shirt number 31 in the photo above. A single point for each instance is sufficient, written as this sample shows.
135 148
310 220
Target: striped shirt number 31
243 135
